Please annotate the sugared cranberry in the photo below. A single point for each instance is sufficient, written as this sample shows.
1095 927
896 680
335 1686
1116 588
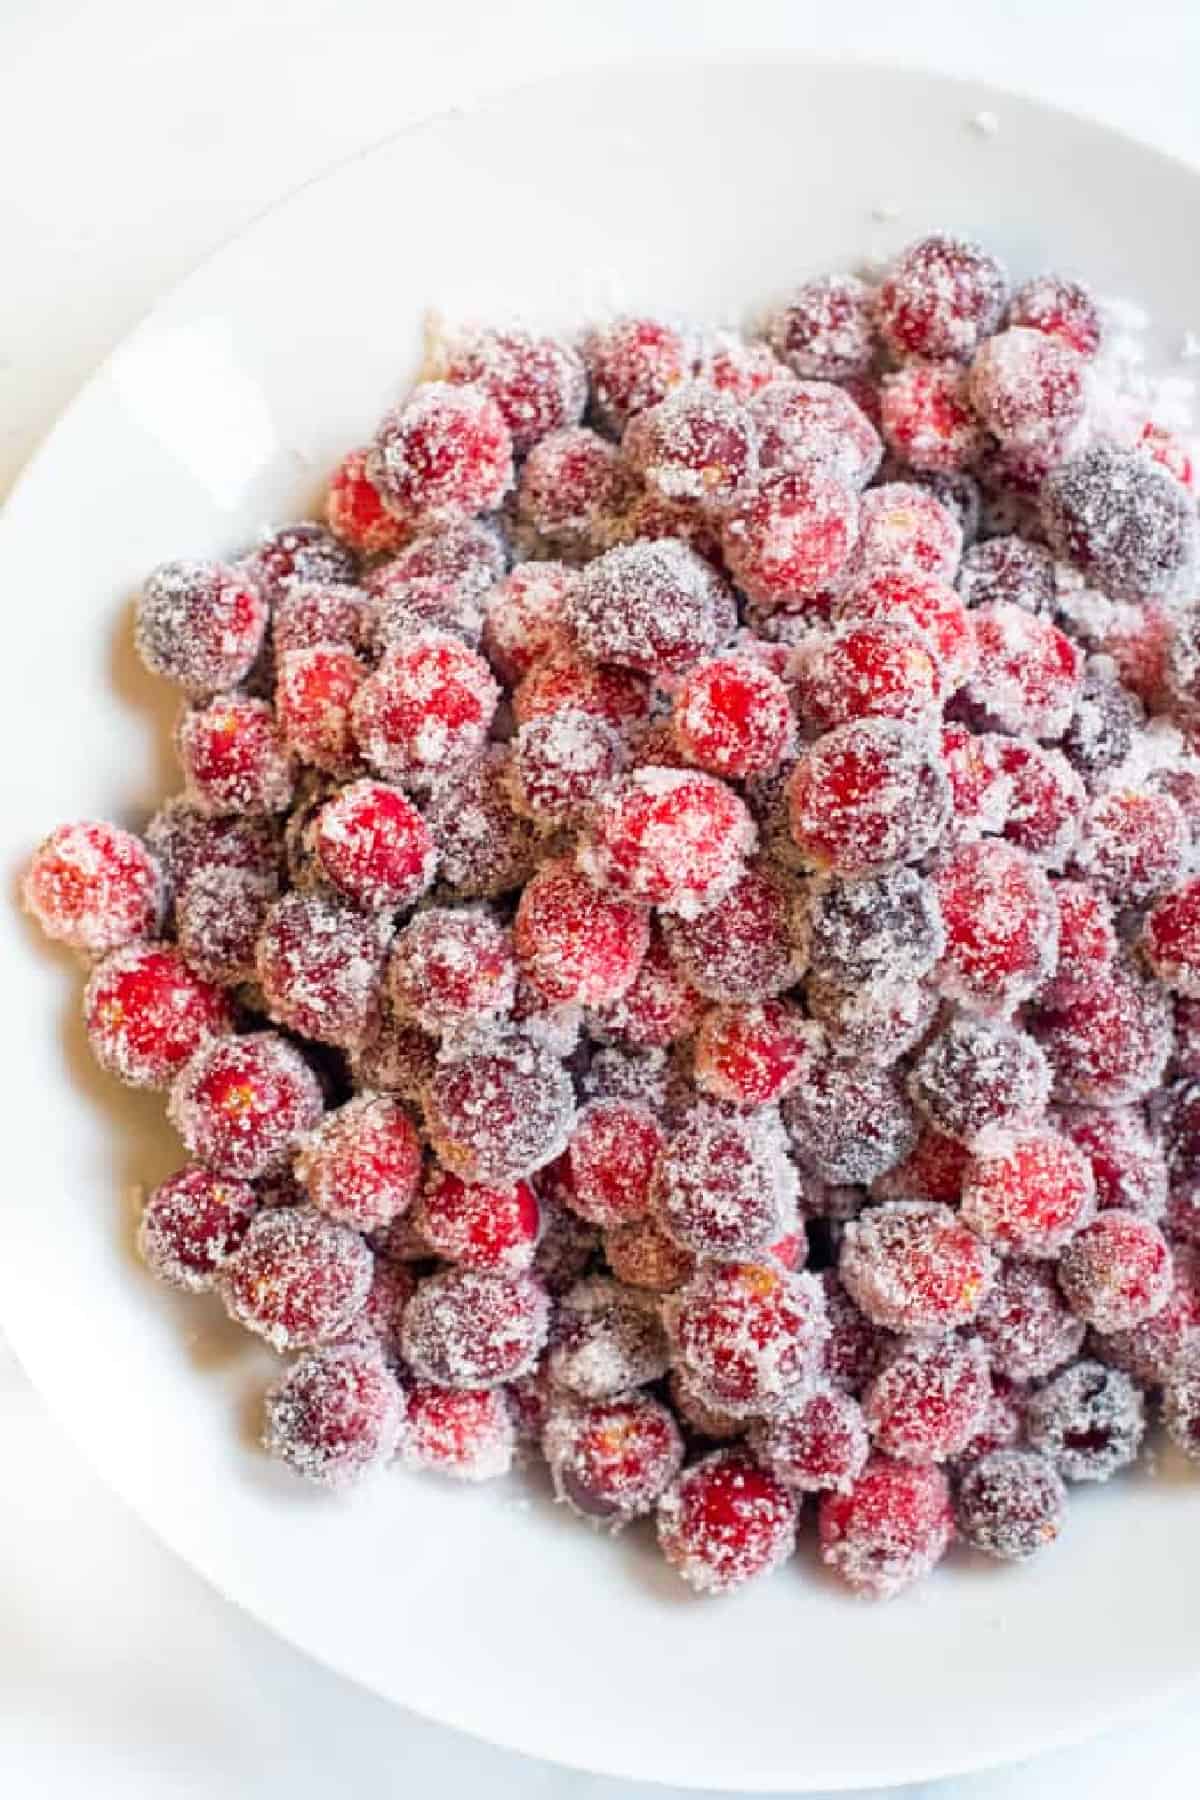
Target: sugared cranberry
538 383
612 1460
751 1055
1001 926
825 330
814 424
200 625
1029 674
885 928
1121 519
525 617
1011 1504
362 1166
1108 1039
374 846
465 1433
941 297
660 1007
335 1415
452 968
1128 1165
566 680
866 670
233 758
790 535
750 948
608 1340
94 887
1026 1324
978 1076
1063 309
314 695
698 445
929 1399
561 762
819 1443
320 965
241 1105
913 1266
1028 389
467 1329
355 512
425 709
1008 571
190 1223
725 1521
484 846
904 526
1028 1194
1046 800
736 365
890 1529
634 363
928 417
292 554
573 486
1134 844
479 1227
146 1013
1088 1420
648 607
732 717
497 1114
611 1157
668 838
723 1187
848 1123
929 608
1087 935
868 796
932 1170
575 942
1150 1350
749 1335
1116 1272
446 451
297 1278
1171 939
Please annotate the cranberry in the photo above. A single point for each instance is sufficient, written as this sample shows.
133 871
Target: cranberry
320 965
930 610
94 887
941 297
698 445
566 681
904 526
452 968
929 1399
1106 721
750 948
723 1186
1011 1504
1028 1194
848 1123
1121 519
525 617
980 790
880 929
824 331
790 535
538 383
355 512
233 758
749 1335
190 1223
479 1227
1064 310
1108 1040
200 625
1001 926
735 366
725 1521
1116 1272
445 452
335 1415
668 838
608 1341
752 1055
611 1158
362 1166
242 1105
1135 843
1008 571
634 363
497 1114
314 697
913 1266
1029 675
1089 1421
819 1443
573 486
815 424
933 1170
1026 1324
465 1328
297 1278
1028 388
611 1461
851 1352
660 1007
1171 939
561 763
648 607
732 717
146 1013
867 670
1150 1350
1087 935
484 847
1046 800
868 796
890 1529
463 1432
295 554
928 417
427 708
1128 1165
374 846
575 942
978 1076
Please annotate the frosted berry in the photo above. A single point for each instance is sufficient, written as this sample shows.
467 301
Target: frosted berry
1046 800
1029 674
1065 310
479 1227
1001 926
484 846
446 451
525 617
659 1008
314 696
426 709
749 1335
608 1341
930 610
698 445
374 846
200 625
928 417
1008 571
1089 1421
294 554
146 1013
1108 1039
610 1160
1128 1164
452 968
725 1521
865 670
467 1329
750 948
612 1460
94 887
1028 389
241 1105
819 1443
868 796
497 1114
566 681
1026 1324
846 1122
190 1223
825 331
355 512
884 928
1134 844
732 717
815 424
649 607
561 762
362 1166
929 1399
1028 1194
1121 519
890 1530
979 1076
1011 1504
668 838
904 526
233 758
1087 935
576 943
634 363
467 1434
573 486
790 535
538 383
335 1415
1116 1272
940 298
751 1055
722 1186
1171 939
913 1266
297 1278
320 965
735 365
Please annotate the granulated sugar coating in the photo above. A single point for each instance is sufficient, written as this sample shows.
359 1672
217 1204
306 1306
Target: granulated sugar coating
754 831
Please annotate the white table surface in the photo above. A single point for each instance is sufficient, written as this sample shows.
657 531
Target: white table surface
137 135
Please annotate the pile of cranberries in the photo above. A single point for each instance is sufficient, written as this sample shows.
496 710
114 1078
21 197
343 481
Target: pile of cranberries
679 939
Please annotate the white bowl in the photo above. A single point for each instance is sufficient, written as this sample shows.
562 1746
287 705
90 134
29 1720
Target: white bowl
703 188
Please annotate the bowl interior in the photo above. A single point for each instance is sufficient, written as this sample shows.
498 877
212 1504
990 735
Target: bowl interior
703 189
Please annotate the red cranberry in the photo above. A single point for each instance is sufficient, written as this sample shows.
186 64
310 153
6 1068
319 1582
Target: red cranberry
790 535
1028 388
94 887
723 1187
928 417
698 445
1028 1194
538 383
913 1266
668 838
1029 675
576 943
634 363
820 1443
868 796
724 1521
445 452
929 1399
1046 800
1088 1421
525 617
977 1076
753 1055
233 758
320 964
611 1159
608 1341
904 526
426 709
932 1170
374 846
1063 309
295 554
362 1166
335 1416
1121 519
1011 1504
242 1105
355 512
1128 1165
749 1335
804 424
1116 1272
890 1530
1026 1324
661 1006
146 1013
825 330
613 1460
484 847
297 1278
479 1227
927 607
467 1329
497 1114
200 625
463 1432
190 1223
1108 1040
941 297
1171 939
573 486
1135 844
863 671
733 718
314 696
1001 926
451 968
561 763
